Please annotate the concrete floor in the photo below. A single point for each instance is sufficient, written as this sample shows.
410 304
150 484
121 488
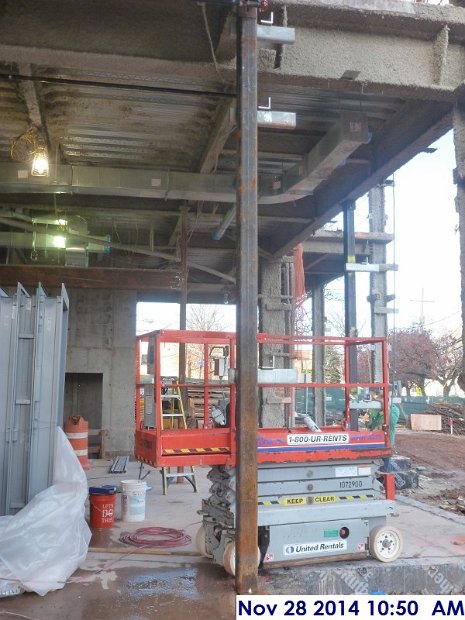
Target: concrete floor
135 586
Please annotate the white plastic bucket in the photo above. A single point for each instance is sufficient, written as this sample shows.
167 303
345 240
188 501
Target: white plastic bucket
133 500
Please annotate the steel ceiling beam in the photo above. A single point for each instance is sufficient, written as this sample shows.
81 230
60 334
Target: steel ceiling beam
224 124
327 241
413 130
317 166
153 280
135 249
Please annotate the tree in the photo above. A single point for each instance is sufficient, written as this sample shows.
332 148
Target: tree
412 357
334 365
205 318
447 360
202 318
364 373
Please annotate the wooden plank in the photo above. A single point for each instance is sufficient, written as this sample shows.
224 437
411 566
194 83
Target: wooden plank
425 422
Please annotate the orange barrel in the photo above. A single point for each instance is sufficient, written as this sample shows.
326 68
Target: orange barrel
77 431
102 506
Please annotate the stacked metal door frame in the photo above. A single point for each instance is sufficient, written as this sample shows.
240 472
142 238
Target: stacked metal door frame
33 338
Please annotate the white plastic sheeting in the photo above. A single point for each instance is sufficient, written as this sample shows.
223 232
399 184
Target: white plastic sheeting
44 543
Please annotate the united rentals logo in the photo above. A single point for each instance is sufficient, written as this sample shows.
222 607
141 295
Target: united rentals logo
315 547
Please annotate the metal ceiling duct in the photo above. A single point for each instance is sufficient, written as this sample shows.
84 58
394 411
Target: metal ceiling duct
331 152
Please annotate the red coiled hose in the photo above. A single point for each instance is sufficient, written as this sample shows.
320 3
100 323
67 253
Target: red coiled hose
156 538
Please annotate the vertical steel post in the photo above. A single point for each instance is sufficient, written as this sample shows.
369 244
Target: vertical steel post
183 301
183 317
350 295
459 179
246 214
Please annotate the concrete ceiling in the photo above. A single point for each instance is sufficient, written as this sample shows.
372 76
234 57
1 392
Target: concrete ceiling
136 103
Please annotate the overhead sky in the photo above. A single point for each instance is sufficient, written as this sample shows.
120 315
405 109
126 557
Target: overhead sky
426 243
421 211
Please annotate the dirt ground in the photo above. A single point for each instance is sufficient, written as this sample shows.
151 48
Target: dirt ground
440 460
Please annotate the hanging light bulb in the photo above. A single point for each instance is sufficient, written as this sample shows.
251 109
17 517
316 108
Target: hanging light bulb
40 163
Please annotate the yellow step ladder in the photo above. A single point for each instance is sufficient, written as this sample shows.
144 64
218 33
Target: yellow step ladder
174 417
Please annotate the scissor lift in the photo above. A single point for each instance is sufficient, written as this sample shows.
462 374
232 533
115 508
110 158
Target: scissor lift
319 494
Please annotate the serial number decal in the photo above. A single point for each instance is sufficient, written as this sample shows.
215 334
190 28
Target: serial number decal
346 472
319 439
350 484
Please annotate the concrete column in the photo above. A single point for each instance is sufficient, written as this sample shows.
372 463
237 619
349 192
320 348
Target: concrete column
275 317
350 305
318 360
276 293
459 178
101 340
378 282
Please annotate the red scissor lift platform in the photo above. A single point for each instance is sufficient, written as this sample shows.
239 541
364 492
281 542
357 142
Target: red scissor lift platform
293 442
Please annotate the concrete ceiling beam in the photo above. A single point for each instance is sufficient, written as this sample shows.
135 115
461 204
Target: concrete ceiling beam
394 17
130 70
365 62
382 57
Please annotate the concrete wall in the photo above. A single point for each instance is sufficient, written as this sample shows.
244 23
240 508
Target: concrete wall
101 339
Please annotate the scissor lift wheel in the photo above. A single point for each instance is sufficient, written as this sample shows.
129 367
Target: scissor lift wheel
201 542
385 543
229 558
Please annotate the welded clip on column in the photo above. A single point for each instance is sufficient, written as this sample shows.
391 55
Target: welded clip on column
282 120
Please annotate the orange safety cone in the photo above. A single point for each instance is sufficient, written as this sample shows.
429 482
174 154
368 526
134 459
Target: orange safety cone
77 431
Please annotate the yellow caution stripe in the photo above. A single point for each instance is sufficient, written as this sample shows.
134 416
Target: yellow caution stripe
146 461
174 451
319 499
287 501
331 499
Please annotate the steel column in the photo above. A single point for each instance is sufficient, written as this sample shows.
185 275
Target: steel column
246 213
183 300
350 294
459 179
183 316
